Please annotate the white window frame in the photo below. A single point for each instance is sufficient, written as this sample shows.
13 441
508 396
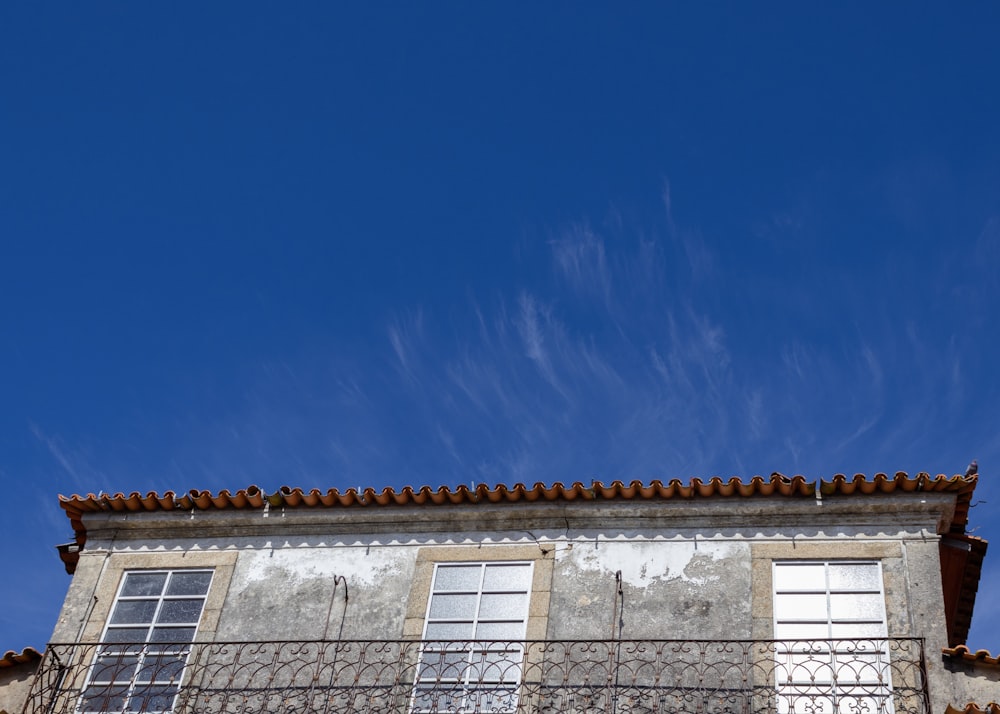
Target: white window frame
807 667
170 658
472 667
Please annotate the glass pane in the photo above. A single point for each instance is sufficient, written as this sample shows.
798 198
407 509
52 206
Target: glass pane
800 607
137 584
507 577
172 634
133 611
807 700
854 576
856 606
800 577
189 583
114 668
126 634
457 577
492 699
444 698
867 670
796 631
805 669
500 630
865 701
104 699
496 667
162 668
449 631
153 698
457 607
180 611
444 666
507 606
851 630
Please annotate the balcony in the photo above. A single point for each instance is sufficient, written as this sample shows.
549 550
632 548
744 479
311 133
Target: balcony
869 676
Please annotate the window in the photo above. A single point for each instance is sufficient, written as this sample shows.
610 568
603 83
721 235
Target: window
832 651
140 661
473 638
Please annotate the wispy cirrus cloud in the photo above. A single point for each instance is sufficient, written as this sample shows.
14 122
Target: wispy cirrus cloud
634 358
71 460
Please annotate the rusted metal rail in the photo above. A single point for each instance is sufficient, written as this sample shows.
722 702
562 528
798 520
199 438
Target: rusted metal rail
866 676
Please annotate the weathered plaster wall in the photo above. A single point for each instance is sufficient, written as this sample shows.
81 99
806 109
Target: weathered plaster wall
669 590
15 682
968 682
303 593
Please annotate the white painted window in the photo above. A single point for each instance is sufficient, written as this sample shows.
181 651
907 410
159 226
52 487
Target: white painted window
147 639
832 652
477 616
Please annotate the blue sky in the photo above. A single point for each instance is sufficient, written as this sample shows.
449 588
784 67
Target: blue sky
433 243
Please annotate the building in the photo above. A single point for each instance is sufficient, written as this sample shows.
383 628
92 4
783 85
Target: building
851 595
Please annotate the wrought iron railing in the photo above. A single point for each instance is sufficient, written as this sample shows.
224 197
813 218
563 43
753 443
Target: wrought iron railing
869 676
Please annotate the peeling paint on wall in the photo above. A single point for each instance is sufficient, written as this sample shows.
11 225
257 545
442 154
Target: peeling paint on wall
643 563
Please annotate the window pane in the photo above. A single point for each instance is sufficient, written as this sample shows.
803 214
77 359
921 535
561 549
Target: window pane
500 630
172 634
799 577
862 669
856 606
153 698
137 584
797 630
499 667
854 576
858 629
507 606
161 668
126 634
104 699
800 607
813 668
457 577
189 583
457 607
808 700
444 698
114 668
449 631
133 611
180 611
507 577
492 699
444 666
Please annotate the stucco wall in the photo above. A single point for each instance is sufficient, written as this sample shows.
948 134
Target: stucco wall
14 685
967 682
674 584
669 590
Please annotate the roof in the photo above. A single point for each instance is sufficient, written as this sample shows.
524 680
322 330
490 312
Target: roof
973 708
777 484
979 657
13 659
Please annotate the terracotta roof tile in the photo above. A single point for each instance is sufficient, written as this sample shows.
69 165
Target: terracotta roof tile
13 659
966 655
973 708
775 485
881 483
715 487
